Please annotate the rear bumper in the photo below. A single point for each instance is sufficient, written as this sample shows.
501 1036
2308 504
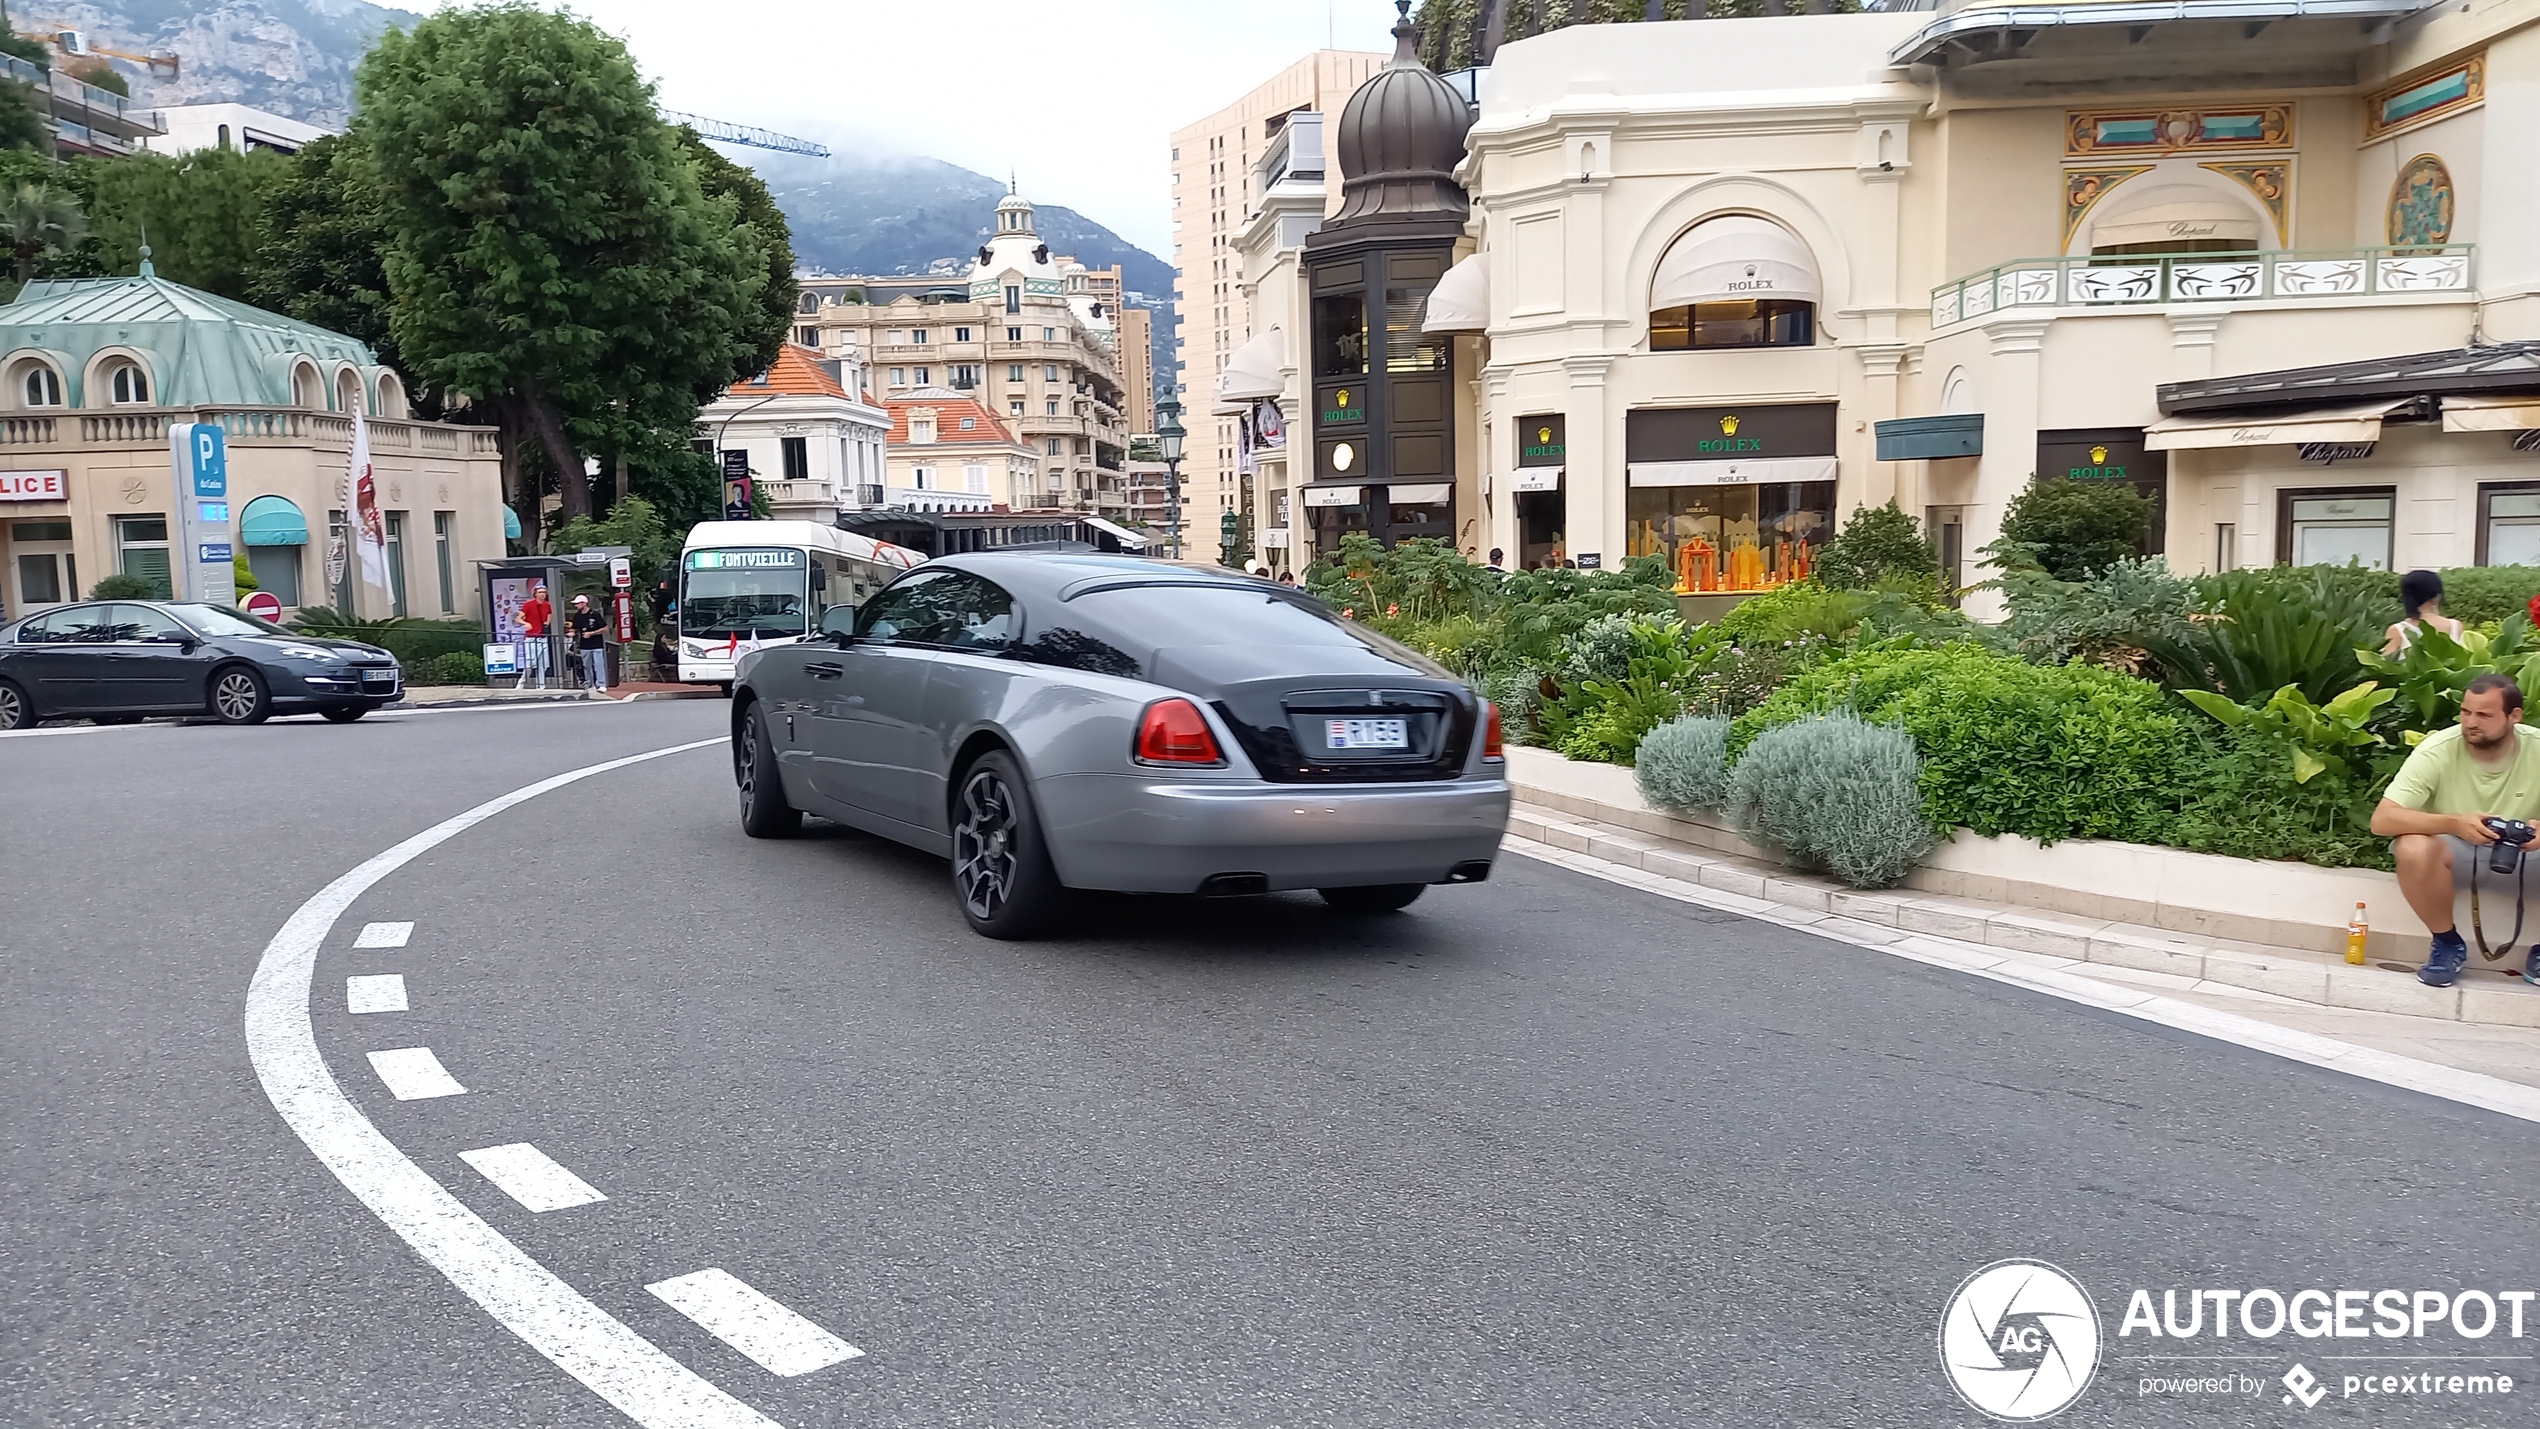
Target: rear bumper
1132 834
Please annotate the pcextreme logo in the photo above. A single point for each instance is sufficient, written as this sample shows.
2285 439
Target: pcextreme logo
2020 1340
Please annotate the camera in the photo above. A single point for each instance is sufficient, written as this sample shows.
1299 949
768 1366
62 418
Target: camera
2505 854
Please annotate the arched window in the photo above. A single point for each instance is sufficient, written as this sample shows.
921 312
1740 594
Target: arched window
1734 282
128 385
392 398
2171 218
39 385
348 391
305 390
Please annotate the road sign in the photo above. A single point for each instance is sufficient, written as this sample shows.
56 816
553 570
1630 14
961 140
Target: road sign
198 457
502 659
625 618
621 575
264 605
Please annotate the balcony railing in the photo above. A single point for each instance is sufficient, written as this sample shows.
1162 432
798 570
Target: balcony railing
148 427
2090 282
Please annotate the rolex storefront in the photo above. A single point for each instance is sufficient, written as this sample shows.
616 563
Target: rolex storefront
1736 499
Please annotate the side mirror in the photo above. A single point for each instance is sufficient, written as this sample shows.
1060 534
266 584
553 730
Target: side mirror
838 622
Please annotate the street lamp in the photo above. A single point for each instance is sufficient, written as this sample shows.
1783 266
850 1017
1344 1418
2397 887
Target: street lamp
1168 435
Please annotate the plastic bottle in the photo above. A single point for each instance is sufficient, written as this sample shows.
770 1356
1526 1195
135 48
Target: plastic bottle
2357 931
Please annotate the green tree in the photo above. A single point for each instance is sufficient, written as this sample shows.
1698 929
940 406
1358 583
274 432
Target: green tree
201 214
24 125
1879 542
38 217
2071 529
551 254
1452 32
760 223
318 257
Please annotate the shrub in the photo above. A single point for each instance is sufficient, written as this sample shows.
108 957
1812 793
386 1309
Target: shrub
456 667
1519 693
1835 792
2239 801
125 586
2071 528
2100 621
2008 747
412 641
1684 763
2475 595
1601 650
1797 610
1878 543
2251 633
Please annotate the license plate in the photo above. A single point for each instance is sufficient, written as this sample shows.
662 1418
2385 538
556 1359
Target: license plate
379 677
1366 734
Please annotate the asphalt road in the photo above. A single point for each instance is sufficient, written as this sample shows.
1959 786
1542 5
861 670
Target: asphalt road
1541 1151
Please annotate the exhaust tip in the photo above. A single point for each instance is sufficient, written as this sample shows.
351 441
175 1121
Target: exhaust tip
1470 871
1234 885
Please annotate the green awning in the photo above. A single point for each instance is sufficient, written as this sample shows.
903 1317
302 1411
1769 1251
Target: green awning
511 524
1955 434
272 521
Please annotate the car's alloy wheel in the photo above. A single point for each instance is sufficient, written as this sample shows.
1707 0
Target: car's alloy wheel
238 697
13 710
1000 867
764 812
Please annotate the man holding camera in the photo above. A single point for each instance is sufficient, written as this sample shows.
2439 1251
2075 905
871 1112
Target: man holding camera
2462 791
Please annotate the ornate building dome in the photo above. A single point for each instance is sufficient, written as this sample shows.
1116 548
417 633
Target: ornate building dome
1399 139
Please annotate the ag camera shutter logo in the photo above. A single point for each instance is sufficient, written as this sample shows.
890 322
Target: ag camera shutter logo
2020 1340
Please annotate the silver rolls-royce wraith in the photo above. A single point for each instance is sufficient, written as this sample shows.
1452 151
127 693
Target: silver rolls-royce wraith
1051 721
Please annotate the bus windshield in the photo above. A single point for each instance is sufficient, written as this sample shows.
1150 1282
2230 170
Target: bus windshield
744 592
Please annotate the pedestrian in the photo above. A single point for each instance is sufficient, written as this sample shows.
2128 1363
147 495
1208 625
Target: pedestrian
2421 593
591 637
535 612
1287 578
2441 807
665 656
1496 557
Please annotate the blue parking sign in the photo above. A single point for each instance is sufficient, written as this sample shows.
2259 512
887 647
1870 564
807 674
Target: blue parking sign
205 456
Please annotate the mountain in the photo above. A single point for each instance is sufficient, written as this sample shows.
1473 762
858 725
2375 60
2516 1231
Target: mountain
293 57
899 215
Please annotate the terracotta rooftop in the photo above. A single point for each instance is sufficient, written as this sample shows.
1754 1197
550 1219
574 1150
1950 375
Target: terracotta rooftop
951 410
796 371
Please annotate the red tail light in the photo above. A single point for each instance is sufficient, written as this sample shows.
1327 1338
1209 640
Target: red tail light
1174 732
1490 733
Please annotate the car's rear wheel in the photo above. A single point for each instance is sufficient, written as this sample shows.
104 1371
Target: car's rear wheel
344 714
15 712
764 812
238 696
1000 865
1373 897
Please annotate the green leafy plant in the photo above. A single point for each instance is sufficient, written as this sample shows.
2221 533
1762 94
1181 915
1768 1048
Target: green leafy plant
1518 692
2315 736
2099 621
2433 673
1878 543
454 667
2249 633
1683 764
1837 792
123 585
2071 528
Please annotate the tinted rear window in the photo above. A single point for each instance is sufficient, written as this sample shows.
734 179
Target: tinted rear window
1166 616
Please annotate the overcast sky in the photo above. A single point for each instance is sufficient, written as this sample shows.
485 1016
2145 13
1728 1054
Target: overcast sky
1078 100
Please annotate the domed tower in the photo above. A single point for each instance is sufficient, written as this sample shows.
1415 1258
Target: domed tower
1014 263
1384 390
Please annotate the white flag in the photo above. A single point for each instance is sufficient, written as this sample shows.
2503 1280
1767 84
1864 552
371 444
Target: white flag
370 529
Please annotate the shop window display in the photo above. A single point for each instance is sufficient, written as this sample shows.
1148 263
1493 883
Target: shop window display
1732 538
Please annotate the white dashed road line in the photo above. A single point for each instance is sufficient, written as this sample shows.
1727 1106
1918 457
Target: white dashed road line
525 1297
781 1341
531 1177
384 935
383 992
413 1073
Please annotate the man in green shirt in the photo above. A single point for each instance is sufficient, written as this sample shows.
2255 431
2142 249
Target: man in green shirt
2435 813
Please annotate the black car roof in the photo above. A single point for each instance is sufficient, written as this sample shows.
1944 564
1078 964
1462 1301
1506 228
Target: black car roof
1050 575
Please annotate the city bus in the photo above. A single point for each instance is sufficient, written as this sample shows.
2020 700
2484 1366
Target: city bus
751 583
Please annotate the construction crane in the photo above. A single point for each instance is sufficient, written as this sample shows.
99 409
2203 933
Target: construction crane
75 42
723 133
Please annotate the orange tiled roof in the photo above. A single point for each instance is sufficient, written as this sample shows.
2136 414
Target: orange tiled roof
949 412
796 371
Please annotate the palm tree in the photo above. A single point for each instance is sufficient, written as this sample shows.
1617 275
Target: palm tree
34 217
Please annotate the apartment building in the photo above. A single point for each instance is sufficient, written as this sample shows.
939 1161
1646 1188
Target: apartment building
1213 199
949 453
1032 335
815 442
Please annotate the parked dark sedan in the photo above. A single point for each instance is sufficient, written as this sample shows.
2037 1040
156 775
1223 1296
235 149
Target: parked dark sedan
119 660
1051 721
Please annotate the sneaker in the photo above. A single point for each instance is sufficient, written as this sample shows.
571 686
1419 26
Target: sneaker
2531 968
2445 960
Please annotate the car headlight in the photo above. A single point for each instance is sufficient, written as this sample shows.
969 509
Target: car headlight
307 652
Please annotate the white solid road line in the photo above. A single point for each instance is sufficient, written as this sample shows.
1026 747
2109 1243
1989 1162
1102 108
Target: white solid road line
413 1073
2390 1068
781 1341
384 935
383 992
531 1177
527 1298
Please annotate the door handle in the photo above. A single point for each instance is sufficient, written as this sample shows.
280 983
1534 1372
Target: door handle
825 669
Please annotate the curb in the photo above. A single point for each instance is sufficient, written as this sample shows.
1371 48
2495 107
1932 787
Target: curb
574 697
2483 998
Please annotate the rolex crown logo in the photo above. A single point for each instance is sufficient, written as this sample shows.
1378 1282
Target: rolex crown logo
2098 456
1341 398
1728 425
1544 435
